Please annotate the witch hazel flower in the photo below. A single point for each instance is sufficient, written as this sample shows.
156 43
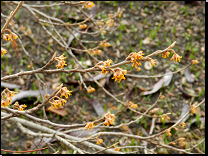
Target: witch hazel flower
118 74
61 62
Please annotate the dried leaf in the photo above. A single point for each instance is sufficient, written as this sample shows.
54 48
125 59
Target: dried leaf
60 111
31 93
98 107
185 109
86 132
188 76
93 11
97 77
163 82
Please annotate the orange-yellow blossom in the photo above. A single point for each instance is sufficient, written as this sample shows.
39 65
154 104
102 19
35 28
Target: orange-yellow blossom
110 22
109 119
193 108
119 74
88 4
176 57
22 107
90 89
168 132
99 141
165 116
135 57
120 13
165 54
195 61
117 149
104 71
65 92
61 62
82 26
152 61
3 51
132 105
104 43
89 126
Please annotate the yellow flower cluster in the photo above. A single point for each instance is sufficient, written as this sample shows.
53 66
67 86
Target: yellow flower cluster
176 57
165 54
7 97
90 89
132 105
82 26
94 51
109 119
60 102
181 143
99 141
134 57
152 61
168 132
100 23
195 61
3 51
56 103
104 43
193 108
183 124
118 74
162 97
110 23
89 126
165 116
88 4
116 149
104 64
119 14
10 37
65 92
61 62
19 107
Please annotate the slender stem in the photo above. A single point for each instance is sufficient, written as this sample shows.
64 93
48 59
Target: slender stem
11 17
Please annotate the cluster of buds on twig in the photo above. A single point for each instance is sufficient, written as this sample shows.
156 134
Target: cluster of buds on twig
6 97
102 65
87 4
109 119
131 104
175 56
60 102
94 51
89 126
12 36
135 58
90 89
118 74
19 107
193 108
82 26
165 116
61 62
104 43
3 51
